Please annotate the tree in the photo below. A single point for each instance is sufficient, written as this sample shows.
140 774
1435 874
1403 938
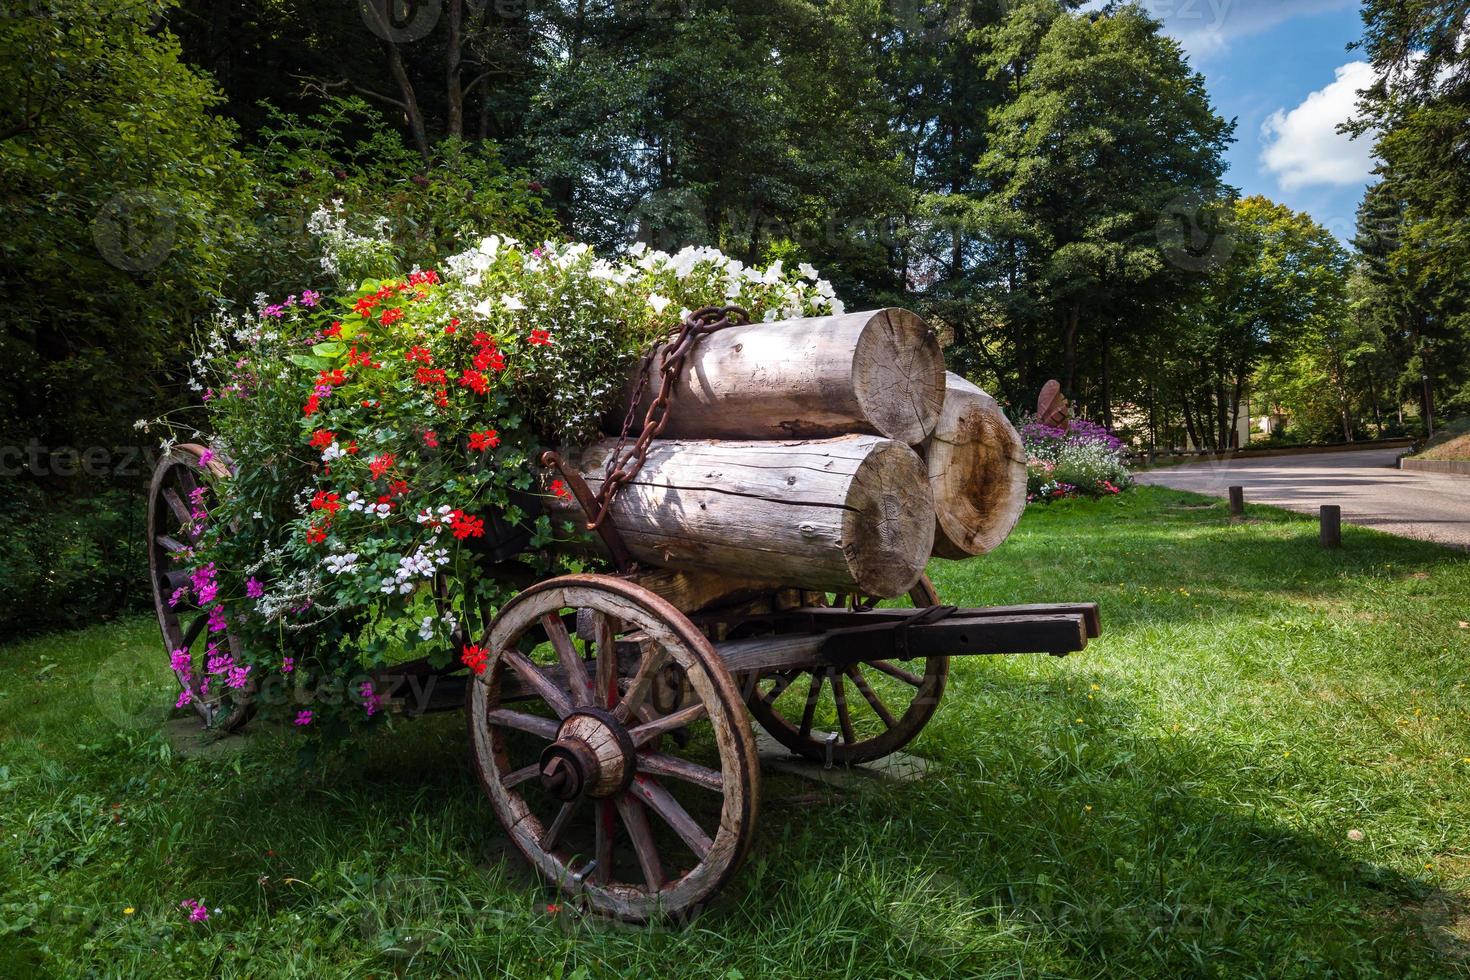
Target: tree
1106 125
1281 294
124 201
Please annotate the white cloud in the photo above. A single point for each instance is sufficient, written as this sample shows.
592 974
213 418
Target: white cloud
1302 146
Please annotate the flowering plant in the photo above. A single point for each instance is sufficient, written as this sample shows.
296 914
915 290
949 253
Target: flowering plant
1083 459
377 433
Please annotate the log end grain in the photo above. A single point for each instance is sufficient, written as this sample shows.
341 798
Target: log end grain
888 527
977 473
898 375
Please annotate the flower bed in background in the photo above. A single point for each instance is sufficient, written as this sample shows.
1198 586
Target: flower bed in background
1081 460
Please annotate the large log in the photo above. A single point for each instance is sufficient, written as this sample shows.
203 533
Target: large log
977 472
878 372
847 514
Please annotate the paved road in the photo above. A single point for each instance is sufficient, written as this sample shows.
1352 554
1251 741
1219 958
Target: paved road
1371 492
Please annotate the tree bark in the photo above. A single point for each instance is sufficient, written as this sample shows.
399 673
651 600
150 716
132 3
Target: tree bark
848 514
878 372
977 472
410 102
453 70
1074 316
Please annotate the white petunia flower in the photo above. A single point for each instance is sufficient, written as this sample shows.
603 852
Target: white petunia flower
658 302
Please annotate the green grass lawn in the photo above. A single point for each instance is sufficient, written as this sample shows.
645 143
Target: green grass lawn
1261 769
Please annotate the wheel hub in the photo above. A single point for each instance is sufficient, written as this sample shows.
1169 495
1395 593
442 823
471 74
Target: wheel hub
593 755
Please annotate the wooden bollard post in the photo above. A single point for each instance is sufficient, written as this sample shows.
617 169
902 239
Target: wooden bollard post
1237 501
1331 518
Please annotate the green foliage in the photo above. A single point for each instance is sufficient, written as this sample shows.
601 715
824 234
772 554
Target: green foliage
426 209
123 204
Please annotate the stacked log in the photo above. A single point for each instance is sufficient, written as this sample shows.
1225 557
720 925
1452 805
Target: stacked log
852 513
977 472
879 372
787 458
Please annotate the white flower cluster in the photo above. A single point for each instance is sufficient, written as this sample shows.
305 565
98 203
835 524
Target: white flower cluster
427 625
435 519
356 502
346 254
421 564
341 564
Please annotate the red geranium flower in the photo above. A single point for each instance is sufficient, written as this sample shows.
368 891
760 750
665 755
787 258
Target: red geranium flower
540 338
490 359
333 378
321 439
560 489
325 501
419 353
313 403
317 533
335 330
475 381
464 526
392 315
356 357
474 658
364 306
380 464
431 439
481 441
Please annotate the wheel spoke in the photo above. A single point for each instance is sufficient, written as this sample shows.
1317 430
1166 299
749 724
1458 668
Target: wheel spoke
661 764
171 544
783 681
662 802
602 847
871 696
813 695
552 837
607 659
538 681
177 506
653 660
894 671
635 818
523 722
844 718
195 628
521 775
649 730
571 661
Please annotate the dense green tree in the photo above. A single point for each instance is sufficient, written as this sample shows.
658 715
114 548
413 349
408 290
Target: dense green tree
123 207
1282 291
1106 126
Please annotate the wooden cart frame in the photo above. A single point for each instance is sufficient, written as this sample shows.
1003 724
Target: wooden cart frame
611 729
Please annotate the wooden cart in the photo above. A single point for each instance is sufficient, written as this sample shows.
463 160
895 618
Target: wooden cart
611 729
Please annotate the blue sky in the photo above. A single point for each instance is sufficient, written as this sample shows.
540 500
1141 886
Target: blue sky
1281 68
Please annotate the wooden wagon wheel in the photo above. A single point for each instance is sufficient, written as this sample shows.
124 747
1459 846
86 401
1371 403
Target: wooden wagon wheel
861 702
641 809
174 523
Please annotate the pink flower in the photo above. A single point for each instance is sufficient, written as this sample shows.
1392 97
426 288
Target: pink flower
204 460
217 621
196 909
303 718
254 589
239 676
288 664
186 696
370 699
309 298
180 660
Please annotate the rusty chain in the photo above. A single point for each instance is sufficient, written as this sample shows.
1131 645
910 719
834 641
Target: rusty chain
625 461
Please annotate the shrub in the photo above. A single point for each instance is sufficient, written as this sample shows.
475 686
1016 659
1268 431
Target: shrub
1082 459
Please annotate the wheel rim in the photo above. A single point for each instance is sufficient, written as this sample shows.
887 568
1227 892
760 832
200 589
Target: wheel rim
856 715
172 528
641 804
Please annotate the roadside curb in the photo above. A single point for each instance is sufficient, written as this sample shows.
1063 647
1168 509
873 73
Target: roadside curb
1458 467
